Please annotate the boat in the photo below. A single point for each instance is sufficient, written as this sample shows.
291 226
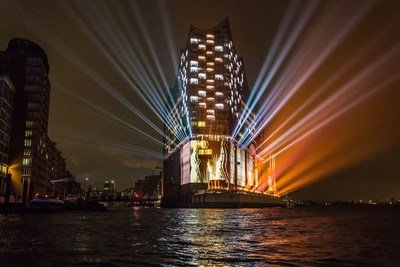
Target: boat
81 203
46 204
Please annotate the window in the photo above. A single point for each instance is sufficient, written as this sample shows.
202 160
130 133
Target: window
219 94
209 69
194 81
210 63
202 93
210 41
28 133
210 99
219 48
32 105
193 69
210 81
210 117
28 142
210 36
218 59
27 152
202 58
205 151
219 77
202 46
26 161
219 106
194 98
210 87
202 105
29 123
3 169
26 171
194 63
201 124
210 111
194 40
31 87
209 53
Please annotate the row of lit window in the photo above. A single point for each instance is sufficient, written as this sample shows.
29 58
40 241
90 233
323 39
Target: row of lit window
33 70
219 77
198 123
26 171
209 37
205 151
218 48
203 58
196 69
33 60
32 78
195 98
194 64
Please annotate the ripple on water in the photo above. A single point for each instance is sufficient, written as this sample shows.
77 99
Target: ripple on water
217 237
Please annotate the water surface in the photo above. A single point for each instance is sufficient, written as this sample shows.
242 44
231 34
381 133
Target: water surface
330 236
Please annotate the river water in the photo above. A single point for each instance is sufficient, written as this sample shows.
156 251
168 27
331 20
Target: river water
328 236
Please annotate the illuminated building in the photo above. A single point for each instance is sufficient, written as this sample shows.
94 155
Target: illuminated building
34 158
210 95
7 92
149 188
109 185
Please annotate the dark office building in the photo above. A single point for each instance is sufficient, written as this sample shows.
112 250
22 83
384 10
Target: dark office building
31 150
7 91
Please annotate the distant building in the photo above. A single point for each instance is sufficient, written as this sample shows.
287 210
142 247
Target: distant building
149 188
109 185
108 193
7 92
54 169
34 159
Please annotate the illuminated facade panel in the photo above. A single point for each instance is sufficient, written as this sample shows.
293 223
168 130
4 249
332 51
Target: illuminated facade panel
185 164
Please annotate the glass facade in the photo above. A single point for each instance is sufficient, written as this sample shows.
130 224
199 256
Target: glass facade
210 94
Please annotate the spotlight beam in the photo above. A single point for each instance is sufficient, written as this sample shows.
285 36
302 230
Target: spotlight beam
359 54
131 80
331 104
279 96
272 65
110 55
108 114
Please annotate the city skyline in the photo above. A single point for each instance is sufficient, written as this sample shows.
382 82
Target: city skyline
95 114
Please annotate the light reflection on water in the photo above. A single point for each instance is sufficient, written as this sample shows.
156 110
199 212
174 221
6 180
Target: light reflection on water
209 237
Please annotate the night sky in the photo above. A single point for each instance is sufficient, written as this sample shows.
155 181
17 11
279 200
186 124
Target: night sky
82 37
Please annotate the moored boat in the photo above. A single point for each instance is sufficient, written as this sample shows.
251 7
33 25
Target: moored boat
46 204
